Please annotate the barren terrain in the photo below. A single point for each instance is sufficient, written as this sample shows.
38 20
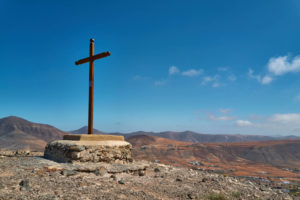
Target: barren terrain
29 176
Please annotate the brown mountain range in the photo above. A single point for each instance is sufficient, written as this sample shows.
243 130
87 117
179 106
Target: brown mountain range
190 136
17 133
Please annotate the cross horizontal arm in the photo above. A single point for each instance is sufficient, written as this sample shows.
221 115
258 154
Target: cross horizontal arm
95 57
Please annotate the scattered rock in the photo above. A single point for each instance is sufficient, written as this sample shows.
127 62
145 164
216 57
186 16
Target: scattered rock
191 196
25 185
101 172
68 172
113 177
204 180
53 168
121 182
22 153
178 179
156 170
141 173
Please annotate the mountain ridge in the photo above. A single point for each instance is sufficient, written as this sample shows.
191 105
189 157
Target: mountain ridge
18 133
191 136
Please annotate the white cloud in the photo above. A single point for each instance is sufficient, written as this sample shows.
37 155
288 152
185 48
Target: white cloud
213 80
192 72
216 84
208 79
266 79
282 65
263 80
220 118
253 76
289 118
139 77
243 123
232 77
159 82
173 70
277 66
225 110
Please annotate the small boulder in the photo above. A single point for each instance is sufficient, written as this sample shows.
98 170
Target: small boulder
156 170
68 172
25 185
141 173
100 172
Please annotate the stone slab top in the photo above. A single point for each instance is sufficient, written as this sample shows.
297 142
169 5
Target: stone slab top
87 137
91 143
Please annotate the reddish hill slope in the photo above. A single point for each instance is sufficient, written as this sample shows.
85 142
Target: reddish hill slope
17 133
244 158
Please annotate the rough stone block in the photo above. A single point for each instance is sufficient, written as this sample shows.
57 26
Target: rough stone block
89 151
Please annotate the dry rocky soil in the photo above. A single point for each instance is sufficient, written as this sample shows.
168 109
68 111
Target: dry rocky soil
27 175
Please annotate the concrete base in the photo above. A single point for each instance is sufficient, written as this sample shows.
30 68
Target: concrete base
87 137
110 151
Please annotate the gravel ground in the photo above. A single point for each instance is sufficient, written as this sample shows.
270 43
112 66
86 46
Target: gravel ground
33 177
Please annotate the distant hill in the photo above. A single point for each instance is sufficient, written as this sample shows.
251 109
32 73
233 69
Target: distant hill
189 136
239 158
142 140
17 133
274 152
84 130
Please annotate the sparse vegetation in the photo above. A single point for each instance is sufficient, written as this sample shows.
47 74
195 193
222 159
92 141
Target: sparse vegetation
236 194
295 193
217 197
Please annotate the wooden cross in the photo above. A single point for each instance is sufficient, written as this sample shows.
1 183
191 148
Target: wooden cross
91 59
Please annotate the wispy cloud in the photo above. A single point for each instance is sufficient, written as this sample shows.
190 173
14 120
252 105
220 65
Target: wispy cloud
159 82
139 77
213 80
192 72
285 118
243 123
263 80
232 77
277 66
222 69
266 79
220 118
173 70
216 84
280 123
225 110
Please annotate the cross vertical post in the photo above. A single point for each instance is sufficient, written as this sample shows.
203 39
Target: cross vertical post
91 88
91 60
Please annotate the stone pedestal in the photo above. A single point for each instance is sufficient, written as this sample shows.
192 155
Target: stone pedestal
89 148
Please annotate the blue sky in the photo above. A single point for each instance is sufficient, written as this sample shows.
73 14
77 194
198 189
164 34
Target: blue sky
206 66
